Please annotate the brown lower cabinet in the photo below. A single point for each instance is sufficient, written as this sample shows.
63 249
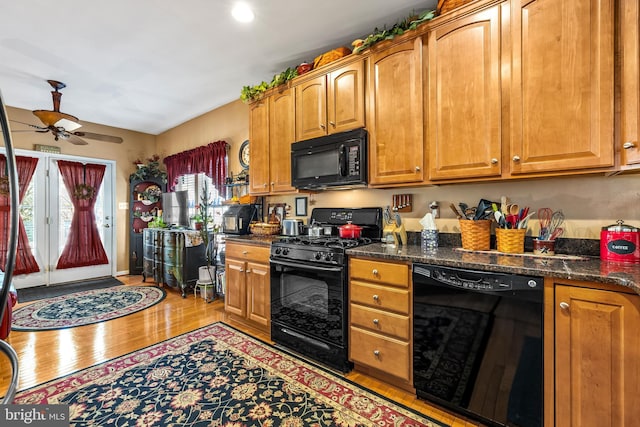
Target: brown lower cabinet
596 340
380 320
248 293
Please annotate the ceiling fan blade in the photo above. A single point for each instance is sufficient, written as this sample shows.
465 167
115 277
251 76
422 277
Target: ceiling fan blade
39 128
67 125
72 138
99 137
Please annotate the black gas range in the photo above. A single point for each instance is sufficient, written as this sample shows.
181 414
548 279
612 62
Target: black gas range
309 282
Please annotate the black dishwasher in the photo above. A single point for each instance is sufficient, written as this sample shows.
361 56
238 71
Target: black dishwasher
477 343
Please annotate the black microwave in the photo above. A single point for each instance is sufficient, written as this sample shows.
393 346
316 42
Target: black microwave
330 161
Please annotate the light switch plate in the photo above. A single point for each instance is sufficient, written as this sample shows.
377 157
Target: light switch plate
123 206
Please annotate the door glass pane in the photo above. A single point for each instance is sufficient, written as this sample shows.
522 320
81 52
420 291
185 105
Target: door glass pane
27 212
65 214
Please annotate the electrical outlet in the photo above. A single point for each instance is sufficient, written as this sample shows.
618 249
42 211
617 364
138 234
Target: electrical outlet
123 206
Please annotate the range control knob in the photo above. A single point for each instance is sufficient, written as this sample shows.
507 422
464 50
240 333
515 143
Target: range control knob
328 257
277 251
532 283
318 255
285 251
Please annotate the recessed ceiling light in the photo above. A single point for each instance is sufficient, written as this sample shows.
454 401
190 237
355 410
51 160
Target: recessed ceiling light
242 12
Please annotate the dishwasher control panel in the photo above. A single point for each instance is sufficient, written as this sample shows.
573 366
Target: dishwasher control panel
474 279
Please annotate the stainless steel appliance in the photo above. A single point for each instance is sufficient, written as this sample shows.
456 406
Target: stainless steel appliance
329 161
237 218
477 340
309 286
291 227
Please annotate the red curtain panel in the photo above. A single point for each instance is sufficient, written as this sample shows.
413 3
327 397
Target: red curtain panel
83 246
25 262
210 159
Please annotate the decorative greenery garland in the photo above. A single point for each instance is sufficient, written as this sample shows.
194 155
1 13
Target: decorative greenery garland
84 192
253 93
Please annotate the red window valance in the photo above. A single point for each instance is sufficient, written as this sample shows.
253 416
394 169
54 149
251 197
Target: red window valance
210 159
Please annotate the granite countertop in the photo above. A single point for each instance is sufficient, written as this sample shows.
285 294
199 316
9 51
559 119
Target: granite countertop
588 269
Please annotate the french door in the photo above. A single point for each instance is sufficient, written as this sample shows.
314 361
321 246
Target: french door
47 211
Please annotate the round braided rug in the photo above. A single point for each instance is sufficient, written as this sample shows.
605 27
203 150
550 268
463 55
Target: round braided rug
85 308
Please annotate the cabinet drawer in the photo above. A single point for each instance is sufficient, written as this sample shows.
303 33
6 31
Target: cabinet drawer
383 272
379 352
380 297
380 321
248 252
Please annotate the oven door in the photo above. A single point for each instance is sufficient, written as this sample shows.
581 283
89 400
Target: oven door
308 310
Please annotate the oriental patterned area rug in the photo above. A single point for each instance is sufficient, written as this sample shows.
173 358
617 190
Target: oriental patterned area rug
217 376
85 308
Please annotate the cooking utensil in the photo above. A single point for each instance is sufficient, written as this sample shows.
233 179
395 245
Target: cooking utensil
524 221
544 218
455 210
350 231
556 233
557 219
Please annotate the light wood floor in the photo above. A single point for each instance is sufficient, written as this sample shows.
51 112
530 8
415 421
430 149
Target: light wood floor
50 354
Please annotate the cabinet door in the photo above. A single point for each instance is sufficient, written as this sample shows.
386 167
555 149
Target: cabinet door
630 82
464 97
258 293
235 297
281 135
395 118
561 85
345 98
311 108
597 362
259 147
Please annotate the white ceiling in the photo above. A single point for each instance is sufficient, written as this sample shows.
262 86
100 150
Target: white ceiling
150 65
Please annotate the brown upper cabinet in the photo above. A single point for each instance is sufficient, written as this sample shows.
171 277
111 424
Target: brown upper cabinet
395 114
464 106
562 85
271 132
629 141
331 102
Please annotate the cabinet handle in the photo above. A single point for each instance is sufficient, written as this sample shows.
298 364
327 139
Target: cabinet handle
376 297
264 185
376 321
564 306
322 125
248 271
332 124
628 145
273 183
417 168
241 270
516 158
494 161
374 272
245 252
376 353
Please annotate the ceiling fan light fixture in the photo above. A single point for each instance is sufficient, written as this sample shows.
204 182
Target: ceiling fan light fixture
50 118
242 12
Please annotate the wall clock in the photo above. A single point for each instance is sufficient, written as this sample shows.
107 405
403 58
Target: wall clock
243 155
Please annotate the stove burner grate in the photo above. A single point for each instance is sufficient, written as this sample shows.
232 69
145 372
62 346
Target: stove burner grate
329 242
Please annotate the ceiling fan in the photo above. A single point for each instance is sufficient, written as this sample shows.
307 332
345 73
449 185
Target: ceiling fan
63 125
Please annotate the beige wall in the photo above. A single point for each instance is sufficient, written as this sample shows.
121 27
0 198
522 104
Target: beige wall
135 145
589 202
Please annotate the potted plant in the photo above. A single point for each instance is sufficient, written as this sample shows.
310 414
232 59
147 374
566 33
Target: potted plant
207 272
197 219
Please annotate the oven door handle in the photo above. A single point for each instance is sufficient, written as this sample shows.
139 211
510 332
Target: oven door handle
306 266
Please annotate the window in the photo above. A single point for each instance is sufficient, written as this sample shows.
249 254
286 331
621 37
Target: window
194 185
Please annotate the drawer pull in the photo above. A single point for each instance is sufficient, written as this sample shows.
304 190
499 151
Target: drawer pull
376 297
374 272
376 353
245 252
564 306
628 145
248 271
376 321
241 270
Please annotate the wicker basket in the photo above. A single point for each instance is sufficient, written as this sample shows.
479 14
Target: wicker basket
264 229
445 6
510 240
476 235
